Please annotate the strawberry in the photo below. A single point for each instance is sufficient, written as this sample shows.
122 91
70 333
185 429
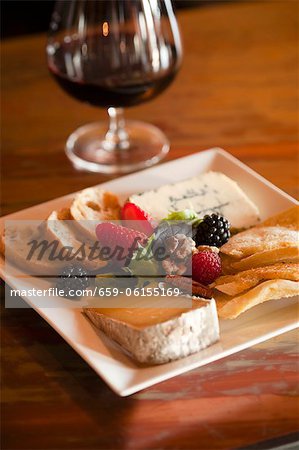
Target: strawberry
144 222
121 241
206 267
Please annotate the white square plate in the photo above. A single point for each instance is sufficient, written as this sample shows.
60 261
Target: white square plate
106 358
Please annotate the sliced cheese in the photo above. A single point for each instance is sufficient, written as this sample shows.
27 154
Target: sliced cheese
206 193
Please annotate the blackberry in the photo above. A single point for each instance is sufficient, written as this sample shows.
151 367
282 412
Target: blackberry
213 230
72 279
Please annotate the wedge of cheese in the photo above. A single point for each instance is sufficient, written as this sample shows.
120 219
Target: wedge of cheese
162 334
207 193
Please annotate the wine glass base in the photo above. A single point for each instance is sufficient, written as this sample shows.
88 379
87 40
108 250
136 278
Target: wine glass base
87 149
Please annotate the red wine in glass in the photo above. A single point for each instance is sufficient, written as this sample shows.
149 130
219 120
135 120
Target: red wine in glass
114 54
95 85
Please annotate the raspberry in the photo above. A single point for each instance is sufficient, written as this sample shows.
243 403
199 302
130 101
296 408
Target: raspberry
144 223
121 241
206 267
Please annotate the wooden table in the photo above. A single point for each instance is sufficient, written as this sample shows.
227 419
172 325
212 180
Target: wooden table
237 90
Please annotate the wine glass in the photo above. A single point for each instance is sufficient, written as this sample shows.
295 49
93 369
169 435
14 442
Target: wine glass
114 54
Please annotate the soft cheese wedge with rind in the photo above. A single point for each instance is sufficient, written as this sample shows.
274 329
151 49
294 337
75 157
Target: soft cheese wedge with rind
159 335
207 193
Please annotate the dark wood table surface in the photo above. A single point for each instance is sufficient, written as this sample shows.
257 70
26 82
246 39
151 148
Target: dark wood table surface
238 89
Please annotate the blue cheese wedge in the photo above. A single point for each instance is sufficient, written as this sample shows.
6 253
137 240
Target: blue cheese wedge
207 193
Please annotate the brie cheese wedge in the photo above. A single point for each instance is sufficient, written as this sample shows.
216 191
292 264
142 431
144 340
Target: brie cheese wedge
159 335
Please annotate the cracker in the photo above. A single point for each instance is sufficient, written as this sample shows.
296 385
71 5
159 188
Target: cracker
265 258
268 290
277 232
288 219
260 239
235 284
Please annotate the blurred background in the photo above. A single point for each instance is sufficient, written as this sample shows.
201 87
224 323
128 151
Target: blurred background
237 89
26 17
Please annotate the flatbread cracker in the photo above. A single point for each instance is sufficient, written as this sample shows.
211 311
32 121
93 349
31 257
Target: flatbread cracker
288 219
268 290
277 232
260 239
285 254
235 284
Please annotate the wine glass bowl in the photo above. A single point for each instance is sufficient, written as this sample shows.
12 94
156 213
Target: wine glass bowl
114 54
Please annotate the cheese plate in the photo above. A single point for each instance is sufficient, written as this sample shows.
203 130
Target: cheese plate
117 369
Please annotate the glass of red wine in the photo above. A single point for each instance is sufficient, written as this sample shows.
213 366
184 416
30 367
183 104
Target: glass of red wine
114 54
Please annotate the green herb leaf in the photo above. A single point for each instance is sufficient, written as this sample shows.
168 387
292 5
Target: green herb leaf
186 214
143 262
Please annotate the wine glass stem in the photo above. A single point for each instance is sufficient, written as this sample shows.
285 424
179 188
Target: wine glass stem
116 137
